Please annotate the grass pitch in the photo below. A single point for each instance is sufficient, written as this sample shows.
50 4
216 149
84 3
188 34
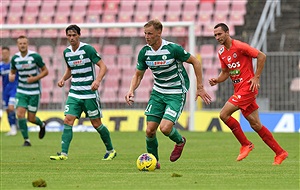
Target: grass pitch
207 162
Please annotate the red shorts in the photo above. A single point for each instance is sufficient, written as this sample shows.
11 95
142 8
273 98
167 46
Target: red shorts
246 103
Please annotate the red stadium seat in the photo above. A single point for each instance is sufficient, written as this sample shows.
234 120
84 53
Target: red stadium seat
45 19
34 33
17 33
61 19
109 18
174 9
143 8
31 10
236 19
46 51
5 33
127 8
78 10
109 96
47 9
63 9
92 18
29 19
16 9
13 19
130 32
222 7
207 50
125 49
238 7
190 8
111 7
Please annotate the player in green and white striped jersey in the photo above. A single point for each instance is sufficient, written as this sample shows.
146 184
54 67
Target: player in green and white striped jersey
171 83
81 59
31 69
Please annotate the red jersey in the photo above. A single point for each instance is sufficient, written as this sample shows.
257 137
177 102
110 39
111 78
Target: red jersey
239 61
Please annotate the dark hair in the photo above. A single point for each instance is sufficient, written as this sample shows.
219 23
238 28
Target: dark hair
223 26
22 37
74 28
155 23
5 47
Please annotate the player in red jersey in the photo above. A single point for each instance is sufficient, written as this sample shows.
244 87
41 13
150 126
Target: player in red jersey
236 62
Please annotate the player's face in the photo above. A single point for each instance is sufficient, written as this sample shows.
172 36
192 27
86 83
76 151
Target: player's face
152 36
220 35
73 38
23 45
5 55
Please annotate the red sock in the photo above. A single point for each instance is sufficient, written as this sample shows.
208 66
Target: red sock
236 129
268 138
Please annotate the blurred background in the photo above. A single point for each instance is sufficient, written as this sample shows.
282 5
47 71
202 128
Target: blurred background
271 26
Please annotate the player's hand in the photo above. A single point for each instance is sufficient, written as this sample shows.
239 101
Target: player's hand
95 85
11 77
212 81
204 96
129 97
30 79
254 84
61 83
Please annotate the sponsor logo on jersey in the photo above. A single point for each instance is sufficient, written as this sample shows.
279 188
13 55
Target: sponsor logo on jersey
148 58
229 59
221 50
237 80
164 57
159 62
234 55
234 65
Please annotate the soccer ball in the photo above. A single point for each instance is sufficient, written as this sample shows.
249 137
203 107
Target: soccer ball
146 162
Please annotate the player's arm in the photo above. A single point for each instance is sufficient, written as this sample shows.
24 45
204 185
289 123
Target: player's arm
198 72
261 58
134 84
42 74
224 74
95 85
65 77
12 75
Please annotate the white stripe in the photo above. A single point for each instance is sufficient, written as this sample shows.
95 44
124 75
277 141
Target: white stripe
82 79
35 85
82 96
83 70
166 70
167 91
79 88
76 53
35 92
169 84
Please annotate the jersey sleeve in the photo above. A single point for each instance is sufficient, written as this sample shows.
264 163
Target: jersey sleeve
13 63
93 55
180 53
247 49
141 62
39 61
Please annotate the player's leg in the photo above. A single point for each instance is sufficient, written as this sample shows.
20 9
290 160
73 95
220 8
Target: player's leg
225 115
175 104
21 108
72 111
154 113
9 106
265 134
33 106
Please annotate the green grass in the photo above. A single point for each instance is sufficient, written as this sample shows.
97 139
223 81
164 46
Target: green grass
208 162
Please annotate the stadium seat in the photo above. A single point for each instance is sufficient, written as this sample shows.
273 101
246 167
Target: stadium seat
13 19
190 8
238 7
46 51
111 7
124 61
63 9
61 19
179 31
78 10
130 32
77 18
141 95
92 18
110 49
29 19
109 96
174 9
82 2
114 32
222 7
57 94
125 49
50 33
47 9
31 10
16 9
127 8
143 8
5 33
34 33
108 18
98 32
236 19
220 17
95 7
18 32
207 50
45 96
45 19
208 30
158 10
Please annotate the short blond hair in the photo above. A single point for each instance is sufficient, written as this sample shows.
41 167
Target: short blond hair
155 23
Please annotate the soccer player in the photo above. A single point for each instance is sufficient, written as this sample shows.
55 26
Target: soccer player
81 59
31 69
9 91
171 83
236 62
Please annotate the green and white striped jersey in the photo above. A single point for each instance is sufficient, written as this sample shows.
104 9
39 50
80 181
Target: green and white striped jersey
166 64
25 66
82 64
